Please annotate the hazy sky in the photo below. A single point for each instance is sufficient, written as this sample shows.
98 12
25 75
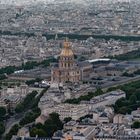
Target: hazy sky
34 1
26 1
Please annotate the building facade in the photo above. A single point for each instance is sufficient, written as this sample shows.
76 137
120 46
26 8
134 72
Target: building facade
67 110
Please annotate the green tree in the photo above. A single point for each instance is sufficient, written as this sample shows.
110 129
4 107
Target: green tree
137 93
39 126
128 56
67 119
119 102
52 124
13 131
55 118
19 108
99 91
81 58
2 128
128 74
29 65
37 132
27 103
29 118
2 112
2 76
50 127
133 99
124 110
136 124
85 97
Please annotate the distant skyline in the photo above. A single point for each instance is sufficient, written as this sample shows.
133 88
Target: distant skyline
14 2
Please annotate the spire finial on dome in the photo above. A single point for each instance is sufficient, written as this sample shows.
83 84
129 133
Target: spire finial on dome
66 51
66 43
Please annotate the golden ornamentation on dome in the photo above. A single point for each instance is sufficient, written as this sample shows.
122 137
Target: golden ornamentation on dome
66 43
66 51
68 137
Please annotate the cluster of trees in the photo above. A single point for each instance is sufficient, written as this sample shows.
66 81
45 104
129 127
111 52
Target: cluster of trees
137 72
27 102
30 102
136 124
84 37
3 76
8 84
68 119
2 115
87 97
31 82
30 116
7 70
128 74
36 100
27 66
46 63
132 100
123 105
32 64
86 116
28 34
52 124
74 36
13 131
128 56
2 128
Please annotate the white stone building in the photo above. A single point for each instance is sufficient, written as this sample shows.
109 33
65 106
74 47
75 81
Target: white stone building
106 99
67 110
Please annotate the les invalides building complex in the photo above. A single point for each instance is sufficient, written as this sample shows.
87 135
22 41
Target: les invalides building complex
67 69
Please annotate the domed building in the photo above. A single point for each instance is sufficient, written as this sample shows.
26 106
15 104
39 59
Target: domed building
67 69
68 137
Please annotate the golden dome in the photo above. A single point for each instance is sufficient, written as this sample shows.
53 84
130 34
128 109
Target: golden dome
68 137
66 51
